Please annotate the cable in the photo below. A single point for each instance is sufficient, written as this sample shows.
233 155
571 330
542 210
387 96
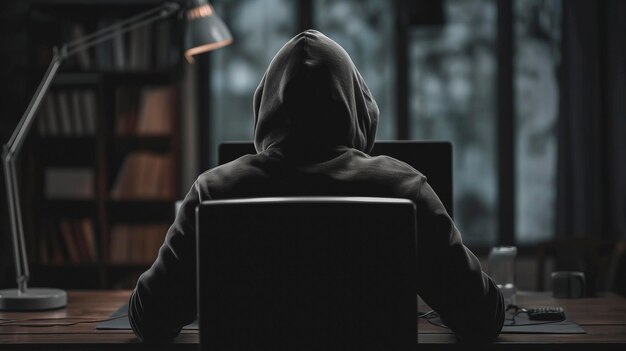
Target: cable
430 316
519 310
20 322
433 318
425 314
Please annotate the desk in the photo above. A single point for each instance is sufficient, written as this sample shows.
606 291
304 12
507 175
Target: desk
604 319
94 305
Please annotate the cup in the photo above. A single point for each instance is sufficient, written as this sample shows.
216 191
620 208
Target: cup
568 284
502 270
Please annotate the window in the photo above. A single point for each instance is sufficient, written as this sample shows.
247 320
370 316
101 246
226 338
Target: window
537 46
365 29
452 97
260 28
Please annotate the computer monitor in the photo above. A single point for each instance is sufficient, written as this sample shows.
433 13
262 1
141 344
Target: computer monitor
431 158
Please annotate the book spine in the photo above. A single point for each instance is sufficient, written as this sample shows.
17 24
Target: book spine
64 113
70 242
77 112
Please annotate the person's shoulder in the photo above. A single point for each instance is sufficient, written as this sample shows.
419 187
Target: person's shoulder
387 175
389 165
246 166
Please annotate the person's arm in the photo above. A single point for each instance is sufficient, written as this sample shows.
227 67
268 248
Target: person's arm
164 299
451 280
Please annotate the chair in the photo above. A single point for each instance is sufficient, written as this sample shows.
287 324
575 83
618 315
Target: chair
307 273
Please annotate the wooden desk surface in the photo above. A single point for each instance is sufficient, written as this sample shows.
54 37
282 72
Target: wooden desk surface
603 318
87 305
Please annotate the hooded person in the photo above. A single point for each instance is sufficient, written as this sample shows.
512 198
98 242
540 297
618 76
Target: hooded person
315 122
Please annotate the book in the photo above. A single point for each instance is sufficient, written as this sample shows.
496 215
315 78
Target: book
146 53
104 50
136 243
123 183
69 241
83 56
68 183
135 49
90 109
51 116
117 253
43 251
65 117
144 175
119 48
77 112
58 256
165 172
89 234
42 119
162 45
155 112
79 241
134 248
126 107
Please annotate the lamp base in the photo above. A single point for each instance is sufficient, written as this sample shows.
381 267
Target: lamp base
34 299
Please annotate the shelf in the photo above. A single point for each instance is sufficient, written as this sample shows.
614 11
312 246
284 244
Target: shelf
61 208
141 210
157 143
66 276
64 142
65 266
129 265
74 147
66 151
70 203
93 3
77 78
74 76
82 9
142 77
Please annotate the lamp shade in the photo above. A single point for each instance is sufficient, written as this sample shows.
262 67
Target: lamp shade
204 30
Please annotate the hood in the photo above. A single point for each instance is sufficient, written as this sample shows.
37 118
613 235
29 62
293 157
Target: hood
312 99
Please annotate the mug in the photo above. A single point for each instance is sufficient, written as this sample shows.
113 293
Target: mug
568 284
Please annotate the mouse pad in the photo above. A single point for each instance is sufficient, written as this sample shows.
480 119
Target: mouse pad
123 323
521 324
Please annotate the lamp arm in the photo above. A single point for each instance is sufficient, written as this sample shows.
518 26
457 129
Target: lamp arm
12 148
19 247
10 151
143 19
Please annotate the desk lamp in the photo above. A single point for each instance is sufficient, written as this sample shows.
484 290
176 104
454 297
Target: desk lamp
204 31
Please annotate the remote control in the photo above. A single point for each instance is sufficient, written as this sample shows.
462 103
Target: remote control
548 313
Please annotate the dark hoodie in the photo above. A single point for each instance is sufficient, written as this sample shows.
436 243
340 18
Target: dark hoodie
315 122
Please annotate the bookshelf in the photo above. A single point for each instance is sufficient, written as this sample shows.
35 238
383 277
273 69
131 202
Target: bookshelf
100 171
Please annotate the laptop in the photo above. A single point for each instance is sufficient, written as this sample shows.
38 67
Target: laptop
431 158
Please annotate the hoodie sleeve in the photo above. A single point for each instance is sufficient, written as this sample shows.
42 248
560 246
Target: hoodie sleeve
451 279
164 299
